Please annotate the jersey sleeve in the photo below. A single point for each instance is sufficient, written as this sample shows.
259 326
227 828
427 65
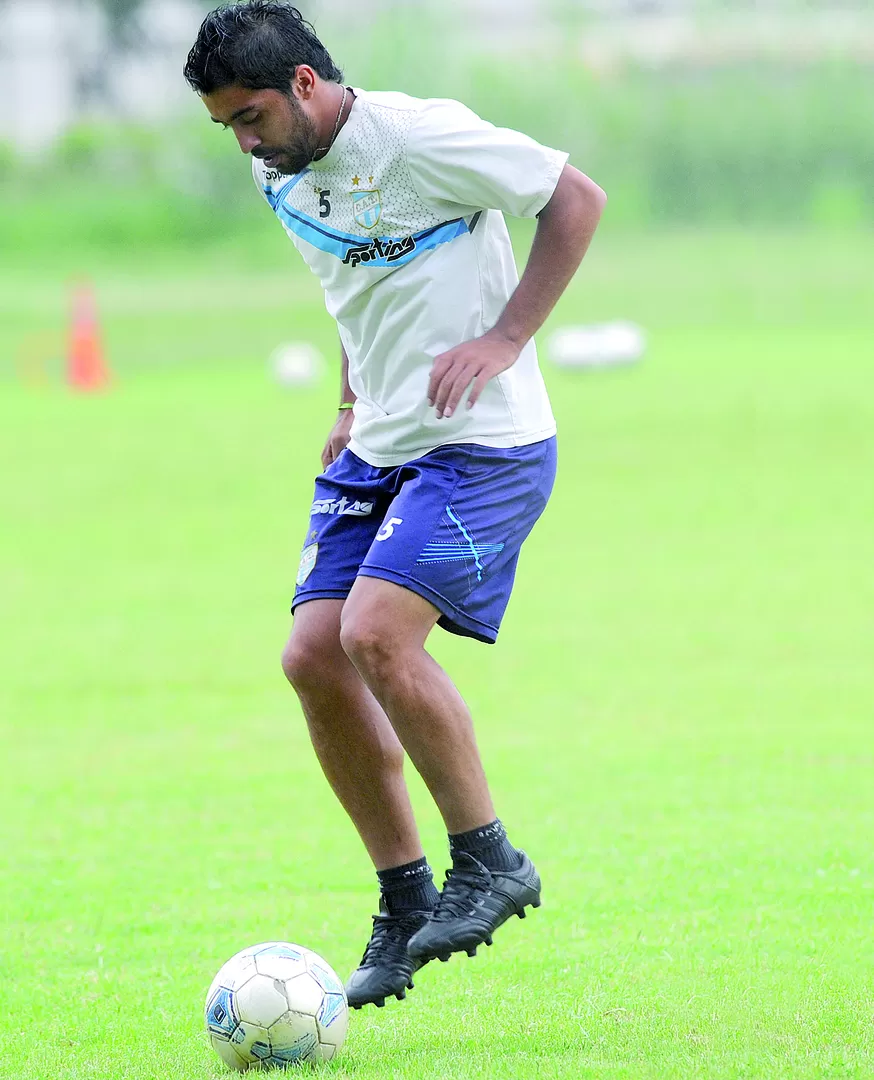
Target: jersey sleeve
460 163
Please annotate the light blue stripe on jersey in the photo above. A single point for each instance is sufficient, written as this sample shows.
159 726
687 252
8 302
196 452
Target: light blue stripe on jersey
276 197
339 243
431 238
316 233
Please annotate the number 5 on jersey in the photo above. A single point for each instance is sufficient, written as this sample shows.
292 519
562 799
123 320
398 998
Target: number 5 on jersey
388 528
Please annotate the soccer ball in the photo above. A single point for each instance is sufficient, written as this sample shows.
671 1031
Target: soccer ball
276 1005
296 364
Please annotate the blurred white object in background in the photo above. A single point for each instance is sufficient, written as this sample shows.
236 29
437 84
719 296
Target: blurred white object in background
602 345
296 363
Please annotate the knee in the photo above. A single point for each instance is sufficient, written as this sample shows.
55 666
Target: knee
370 645
306 661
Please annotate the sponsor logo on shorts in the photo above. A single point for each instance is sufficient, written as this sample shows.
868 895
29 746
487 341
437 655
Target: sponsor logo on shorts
307 562
342 506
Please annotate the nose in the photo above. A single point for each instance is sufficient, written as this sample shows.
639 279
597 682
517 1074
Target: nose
247 141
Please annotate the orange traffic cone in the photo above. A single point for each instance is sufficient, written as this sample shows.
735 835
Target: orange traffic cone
86 368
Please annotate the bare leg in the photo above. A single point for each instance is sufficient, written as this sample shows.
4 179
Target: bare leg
354 741
384 628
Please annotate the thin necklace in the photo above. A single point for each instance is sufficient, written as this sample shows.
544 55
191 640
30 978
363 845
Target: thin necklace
325 149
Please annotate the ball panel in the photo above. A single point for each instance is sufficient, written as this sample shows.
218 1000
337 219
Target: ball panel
221 1013
304 994
247 1036
228 1054
293 1038
333 1019
280 967
279 948
261 1001
324 975
306 1049
291 1027
235 972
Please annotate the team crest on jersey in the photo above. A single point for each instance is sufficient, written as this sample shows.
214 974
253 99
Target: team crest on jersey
307 562
366 208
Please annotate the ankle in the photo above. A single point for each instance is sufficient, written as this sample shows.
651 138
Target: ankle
488 844
409 887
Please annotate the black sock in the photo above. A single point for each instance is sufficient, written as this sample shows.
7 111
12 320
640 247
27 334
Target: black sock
408 888
489 844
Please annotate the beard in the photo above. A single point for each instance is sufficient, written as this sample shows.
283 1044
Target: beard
298 151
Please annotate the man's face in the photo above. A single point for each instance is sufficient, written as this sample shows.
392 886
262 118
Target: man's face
268 124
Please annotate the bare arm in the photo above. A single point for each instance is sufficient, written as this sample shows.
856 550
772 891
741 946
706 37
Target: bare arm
565 228
339 436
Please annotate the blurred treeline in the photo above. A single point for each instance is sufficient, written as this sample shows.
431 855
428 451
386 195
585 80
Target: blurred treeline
776 144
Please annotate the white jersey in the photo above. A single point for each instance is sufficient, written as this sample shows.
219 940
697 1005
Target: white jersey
402 223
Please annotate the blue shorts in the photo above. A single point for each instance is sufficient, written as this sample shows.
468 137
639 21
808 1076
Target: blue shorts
447 525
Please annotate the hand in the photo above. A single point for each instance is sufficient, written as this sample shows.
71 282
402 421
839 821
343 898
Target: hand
473 362
338 438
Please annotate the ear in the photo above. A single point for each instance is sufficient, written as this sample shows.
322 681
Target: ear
303 84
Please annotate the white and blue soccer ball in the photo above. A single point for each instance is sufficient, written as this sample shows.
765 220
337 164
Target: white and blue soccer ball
276 1005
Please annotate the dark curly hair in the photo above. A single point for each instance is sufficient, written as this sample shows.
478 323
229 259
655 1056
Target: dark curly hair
257 44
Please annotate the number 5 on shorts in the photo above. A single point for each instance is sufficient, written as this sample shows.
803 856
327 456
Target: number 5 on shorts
388 528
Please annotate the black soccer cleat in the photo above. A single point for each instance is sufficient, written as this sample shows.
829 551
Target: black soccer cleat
475 901
386 968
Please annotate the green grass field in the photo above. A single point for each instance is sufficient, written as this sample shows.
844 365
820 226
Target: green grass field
677 720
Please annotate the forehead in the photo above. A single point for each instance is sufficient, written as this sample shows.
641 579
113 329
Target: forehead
229 101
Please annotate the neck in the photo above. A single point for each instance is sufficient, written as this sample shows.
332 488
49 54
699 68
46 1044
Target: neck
330 121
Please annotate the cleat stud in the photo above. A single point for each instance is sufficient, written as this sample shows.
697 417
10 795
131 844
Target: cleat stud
379 1004
521 913
472 952
536 903
410 985
401 994
444 958
489 940
356 1006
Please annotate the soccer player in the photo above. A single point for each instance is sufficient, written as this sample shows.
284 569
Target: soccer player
442 456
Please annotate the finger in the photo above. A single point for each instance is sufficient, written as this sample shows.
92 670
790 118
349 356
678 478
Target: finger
457 392
445 388
478 386
459 384
441 390
441 364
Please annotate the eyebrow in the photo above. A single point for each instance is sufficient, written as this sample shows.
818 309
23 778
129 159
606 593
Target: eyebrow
236 116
